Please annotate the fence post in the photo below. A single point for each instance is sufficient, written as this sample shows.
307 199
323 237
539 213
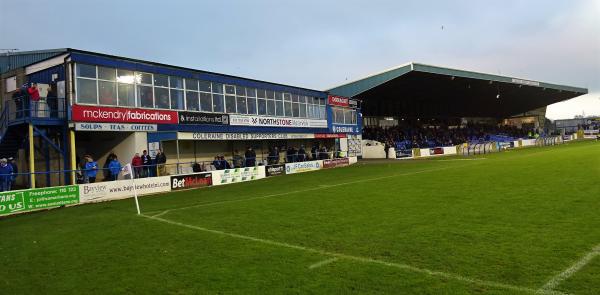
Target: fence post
31 157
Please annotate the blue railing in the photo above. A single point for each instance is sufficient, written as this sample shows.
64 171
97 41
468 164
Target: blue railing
45 108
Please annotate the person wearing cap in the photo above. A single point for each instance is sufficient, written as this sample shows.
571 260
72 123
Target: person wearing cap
15 171
91 169
5 175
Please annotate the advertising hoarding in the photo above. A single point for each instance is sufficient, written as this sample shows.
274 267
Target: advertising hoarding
179 182
237 175
300 167
85 113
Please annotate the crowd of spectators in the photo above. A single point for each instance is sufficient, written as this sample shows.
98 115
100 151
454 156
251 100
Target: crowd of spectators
437 136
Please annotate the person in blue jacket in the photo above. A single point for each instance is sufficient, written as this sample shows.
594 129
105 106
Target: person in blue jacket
91 169
5 175
115 168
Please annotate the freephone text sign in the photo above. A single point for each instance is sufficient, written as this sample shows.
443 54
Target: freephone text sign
84 113
35 199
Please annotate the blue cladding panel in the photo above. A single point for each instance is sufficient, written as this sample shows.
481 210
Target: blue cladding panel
144 67
45 76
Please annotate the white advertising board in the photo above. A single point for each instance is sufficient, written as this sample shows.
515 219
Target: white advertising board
449 150
242 120
528 142
121 189
241 136
235 175
114 127
299 167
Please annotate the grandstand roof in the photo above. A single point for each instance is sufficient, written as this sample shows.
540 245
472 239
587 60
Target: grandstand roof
420 90
17 59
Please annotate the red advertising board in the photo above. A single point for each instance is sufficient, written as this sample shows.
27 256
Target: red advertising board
330 135
81 113
341 162
340 101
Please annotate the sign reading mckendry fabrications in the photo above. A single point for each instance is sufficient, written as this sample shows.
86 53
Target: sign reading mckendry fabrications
340 101
274 170
203 118
114 127
525 82
299 167
179 182
242 120
84 113
34 199
241 136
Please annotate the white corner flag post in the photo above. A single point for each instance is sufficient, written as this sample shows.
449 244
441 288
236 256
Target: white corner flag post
128 171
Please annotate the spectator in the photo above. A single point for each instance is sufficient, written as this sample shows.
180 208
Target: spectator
115 168
15 171
136 162
250 157
196 167
238 160
301 154
91 169
224 163
323 153
34 96
18 98
161 160
273 157
146 162
217 163
105 169
290 154
314 150
5 175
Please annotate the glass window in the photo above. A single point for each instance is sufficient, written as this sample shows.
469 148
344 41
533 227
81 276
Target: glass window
262 107
161 80
278 96
124 76
126 95
107 73
271 107
86 71
229 89
206 103
86 91
294 97
251 92
287 97
310 99
191 99
145 97
241 105
270 94
321 112
295 110
144 78
191 84
251 105
175 82
218 105
177 99
353 118
261 93
229 103
321 101
240 91
217 88
347 117
162 97
279 108
338 115
302 99
288 108
205 86
107 92
302 110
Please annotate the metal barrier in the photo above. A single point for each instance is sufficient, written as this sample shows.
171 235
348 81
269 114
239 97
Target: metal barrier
45 108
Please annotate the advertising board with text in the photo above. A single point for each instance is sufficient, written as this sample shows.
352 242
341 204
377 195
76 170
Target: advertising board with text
35 199
332 163
179 182
120 189
197 118
339 101
275 170
85 113
243 120
237 175
299 167
241 136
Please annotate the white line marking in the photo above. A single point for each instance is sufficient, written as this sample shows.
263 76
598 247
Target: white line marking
308 189
468 159
323 262
556 280
362 259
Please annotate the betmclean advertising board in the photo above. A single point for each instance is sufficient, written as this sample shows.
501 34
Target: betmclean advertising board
84 113
299 167
203 118
237 175
180 182
241 120
120 189
36 199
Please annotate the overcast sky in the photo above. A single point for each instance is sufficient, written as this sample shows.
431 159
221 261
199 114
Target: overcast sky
319 44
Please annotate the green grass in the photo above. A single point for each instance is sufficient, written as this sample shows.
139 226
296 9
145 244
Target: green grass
505 224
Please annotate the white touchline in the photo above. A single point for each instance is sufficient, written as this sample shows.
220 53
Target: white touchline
362 259
323 262
308 189
556 280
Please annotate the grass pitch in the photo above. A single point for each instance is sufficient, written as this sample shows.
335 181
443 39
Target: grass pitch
518 222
